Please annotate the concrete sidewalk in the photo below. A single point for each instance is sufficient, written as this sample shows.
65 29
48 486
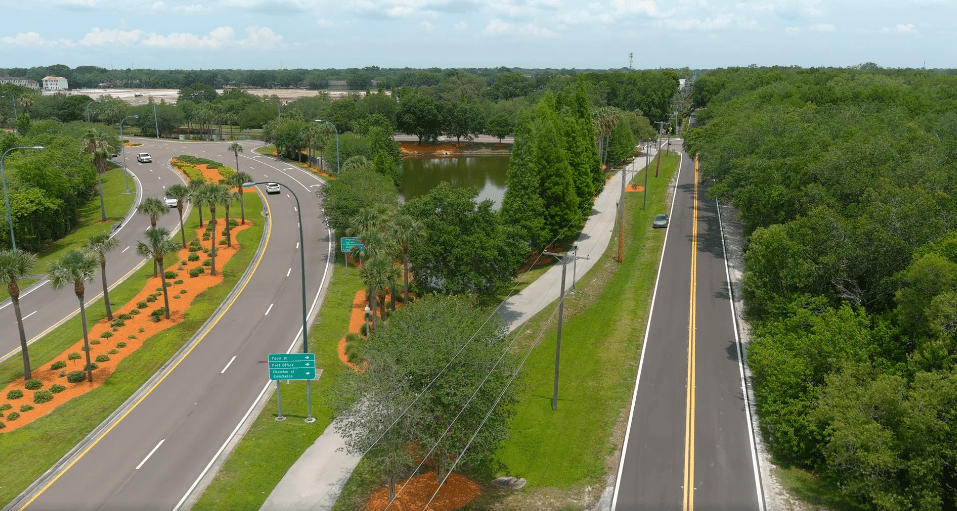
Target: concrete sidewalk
313 483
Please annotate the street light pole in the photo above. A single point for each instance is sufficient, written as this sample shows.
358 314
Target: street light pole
338 167
561 310
3 176
302 262
123 144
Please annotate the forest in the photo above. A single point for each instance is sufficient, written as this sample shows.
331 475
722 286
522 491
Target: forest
844 181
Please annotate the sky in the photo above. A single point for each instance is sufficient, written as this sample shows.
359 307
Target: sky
606 34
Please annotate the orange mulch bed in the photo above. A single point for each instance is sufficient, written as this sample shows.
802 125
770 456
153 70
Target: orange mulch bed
634 188
133 333
446 148
455 493
356 320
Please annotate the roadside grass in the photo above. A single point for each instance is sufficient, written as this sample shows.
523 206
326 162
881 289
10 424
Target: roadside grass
271 447
117 204
813 490
601 346
49 438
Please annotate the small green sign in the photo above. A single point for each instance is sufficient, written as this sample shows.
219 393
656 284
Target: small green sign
292 366
346 244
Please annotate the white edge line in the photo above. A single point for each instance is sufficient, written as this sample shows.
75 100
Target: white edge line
228 364
269 309
289 271
744 387
644 345
150 454
222 448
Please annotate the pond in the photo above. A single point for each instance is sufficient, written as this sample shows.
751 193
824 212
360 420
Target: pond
485 173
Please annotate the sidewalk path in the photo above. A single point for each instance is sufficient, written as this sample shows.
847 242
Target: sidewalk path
313 483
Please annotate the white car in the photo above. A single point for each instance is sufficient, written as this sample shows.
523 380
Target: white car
272 188
144 158
171 202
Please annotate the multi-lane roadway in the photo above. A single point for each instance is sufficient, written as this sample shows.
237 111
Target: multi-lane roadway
688 444
153 453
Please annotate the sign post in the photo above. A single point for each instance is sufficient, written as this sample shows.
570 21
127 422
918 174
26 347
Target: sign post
292 366
345 246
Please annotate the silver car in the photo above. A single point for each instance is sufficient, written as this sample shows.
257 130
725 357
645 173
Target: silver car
660 221
272 188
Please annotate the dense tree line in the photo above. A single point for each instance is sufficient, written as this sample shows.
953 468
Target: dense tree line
47 187
845 182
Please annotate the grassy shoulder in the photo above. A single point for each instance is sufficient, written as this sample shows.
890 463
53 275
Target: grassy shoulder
47 439
117 204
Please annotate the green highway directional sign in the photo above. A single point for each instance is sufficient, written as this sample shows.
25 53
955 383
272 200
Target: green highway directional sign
292 366
346 244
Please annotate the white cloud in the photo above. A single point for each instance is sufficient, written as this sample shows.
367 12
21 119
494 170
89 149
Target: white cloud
586 18
411 8
426 27
792 31
823 27
901 29
111 37
641 7
34 40
261 37
461 26
497 27
256 37
722 21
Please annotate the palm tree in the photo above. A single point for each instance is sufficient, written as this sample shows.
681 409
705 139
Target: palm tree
99 245
213 194
15 265
195 187
154 208
227 200
237 180
156 247
98 144
236 149
77 266
181 193
405 230
375 275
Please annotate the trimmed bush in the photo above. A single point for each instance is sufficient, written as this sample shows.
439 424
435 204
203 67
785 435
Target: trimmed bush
74 356
13 416
42 396
182 291
208 262
59 364
158 312
5 406
178 282
134 312
91 367
128 316
170 275
106 335
96 341
15 394
113 351
141 305
102 358
194 257
159 291
2 425
222 242
56 389
131 336
33 384
121 344
76 376
141 330
61 374
24 408
117 323
150 299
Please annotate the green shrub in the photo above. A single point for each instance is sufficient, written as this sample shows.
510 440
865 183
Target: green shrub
194 257
113 351
141 305
183 262
61 374
5 406
92 367
76 376
42 396
2 425
74 356
170 275
222 242
131 336
15 394
134 312
59 364
158 312
178 282
97 341
106 335
13 416
141 330
151 298
25 408
118 322
125 317
33 384
159 291
121 344
102 358
208 262
56 389
182 291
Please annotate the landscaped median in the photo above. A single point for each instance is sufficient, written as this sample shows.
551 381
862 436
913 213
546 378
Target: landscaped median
564 455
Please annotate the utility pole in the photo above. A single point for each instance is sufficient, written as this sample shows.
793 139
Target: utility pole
561 309
658 155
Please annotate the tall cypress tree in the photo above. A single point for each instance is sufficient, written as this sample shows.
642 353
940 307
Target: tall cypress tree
558 187
522 205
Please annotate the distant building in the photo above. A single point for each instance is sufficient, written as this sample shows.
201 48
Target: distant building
55 84
22 82
338 85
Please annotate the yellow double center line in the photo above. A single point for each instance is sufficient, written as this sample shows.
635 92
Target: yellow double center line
688 498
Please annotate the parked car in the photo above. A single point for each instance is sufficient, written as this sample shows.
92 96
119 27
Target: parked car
144 158
660 221
171 202
272 188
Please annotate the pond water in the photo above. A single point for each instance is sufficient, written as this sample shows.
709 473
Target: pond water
485 173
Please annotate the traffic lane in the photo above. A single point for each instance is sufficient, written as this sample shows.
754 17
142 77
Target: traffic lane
653 468
175 405
44 307
724 474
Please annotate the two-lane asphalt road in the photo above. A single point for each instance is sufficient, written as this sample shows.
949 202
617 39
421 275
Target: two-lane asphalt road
154 453
688 443
44 309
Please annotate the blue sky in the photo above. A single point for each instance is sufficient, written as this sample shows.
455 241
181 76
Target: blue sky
318 34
